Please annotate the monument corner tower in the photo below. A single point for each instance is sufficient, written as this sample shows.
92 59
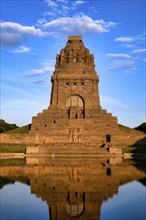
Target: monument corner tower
75 114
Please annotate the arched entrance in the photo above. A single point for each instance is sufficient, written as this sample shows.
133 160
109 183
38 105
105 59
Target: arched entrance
75 204
75 107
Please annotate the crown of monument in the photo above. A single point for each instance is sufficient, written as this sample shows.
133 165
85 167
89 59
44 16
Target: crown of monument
74 38
75 58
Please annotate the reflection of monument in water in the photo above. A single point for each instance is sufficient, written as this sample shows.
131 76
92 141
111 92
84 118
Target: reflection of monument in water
75 188
75 114
79 191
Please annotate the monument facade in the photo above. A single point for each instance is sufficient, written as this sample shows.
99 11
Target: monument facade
75 114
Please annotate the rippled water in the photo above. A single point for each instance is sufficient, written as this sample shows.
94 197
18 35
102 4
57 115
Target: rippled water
72 189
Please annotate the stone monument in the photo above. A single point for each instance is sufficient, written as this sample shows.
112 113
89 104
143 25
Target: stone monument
75 114
74 122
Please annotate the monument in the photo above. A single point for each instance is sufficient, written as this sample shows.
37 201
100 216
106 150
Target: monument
74 122
75 114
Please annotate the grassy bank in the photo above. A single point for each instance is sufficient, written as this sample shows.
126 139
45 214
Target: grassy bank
12 149
4 126
12 161
128 130
21 130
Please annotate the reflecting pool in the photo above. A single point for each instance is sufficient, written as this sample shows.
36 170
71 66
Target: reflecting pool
74 188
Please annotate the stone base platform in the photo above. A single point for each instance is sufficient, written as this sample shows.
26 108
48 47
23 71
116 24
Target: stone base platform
46 145
69 150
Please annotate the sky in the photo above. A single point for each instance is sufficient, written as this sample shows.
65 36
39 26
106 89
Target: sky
33 32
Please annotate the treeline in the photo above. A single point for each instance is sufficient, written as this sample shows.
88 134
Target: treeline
4 126
142 127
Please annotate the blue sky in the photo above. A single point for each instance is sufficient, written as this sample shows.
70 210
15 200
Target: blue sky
33 32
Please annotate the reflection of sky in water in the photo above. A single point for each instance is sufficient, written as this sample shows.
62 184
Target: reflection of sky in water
129 204
19 204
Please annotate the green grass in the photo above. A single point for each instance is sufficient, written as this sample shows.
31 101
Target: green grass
4 126
12 161
128 130
12 149
21 130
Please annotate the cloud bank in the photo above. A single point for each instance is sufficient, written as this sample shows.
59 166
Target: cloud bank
139 51
118 55
78 25
14 34
121 61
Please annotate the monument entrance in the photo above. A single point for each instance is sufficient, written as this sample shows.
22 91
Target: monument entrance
75 107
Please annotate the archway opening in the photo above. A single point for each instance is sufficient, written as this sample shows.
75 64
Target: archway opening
75 107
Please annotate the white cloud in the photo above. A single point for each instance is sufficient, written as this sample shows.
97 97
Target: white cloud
79 2
41 21
93 9
18 50
139 51
124 39
38 82
129 45
47 66
57 8
127 65
78 25
121 61
11 39
118 55
65 8
13 34
12 27
131 41
49 13
74 4
22 49
37 72
50 3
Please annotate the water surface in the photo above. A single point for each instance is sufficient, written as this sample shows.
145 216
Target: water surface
62 189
